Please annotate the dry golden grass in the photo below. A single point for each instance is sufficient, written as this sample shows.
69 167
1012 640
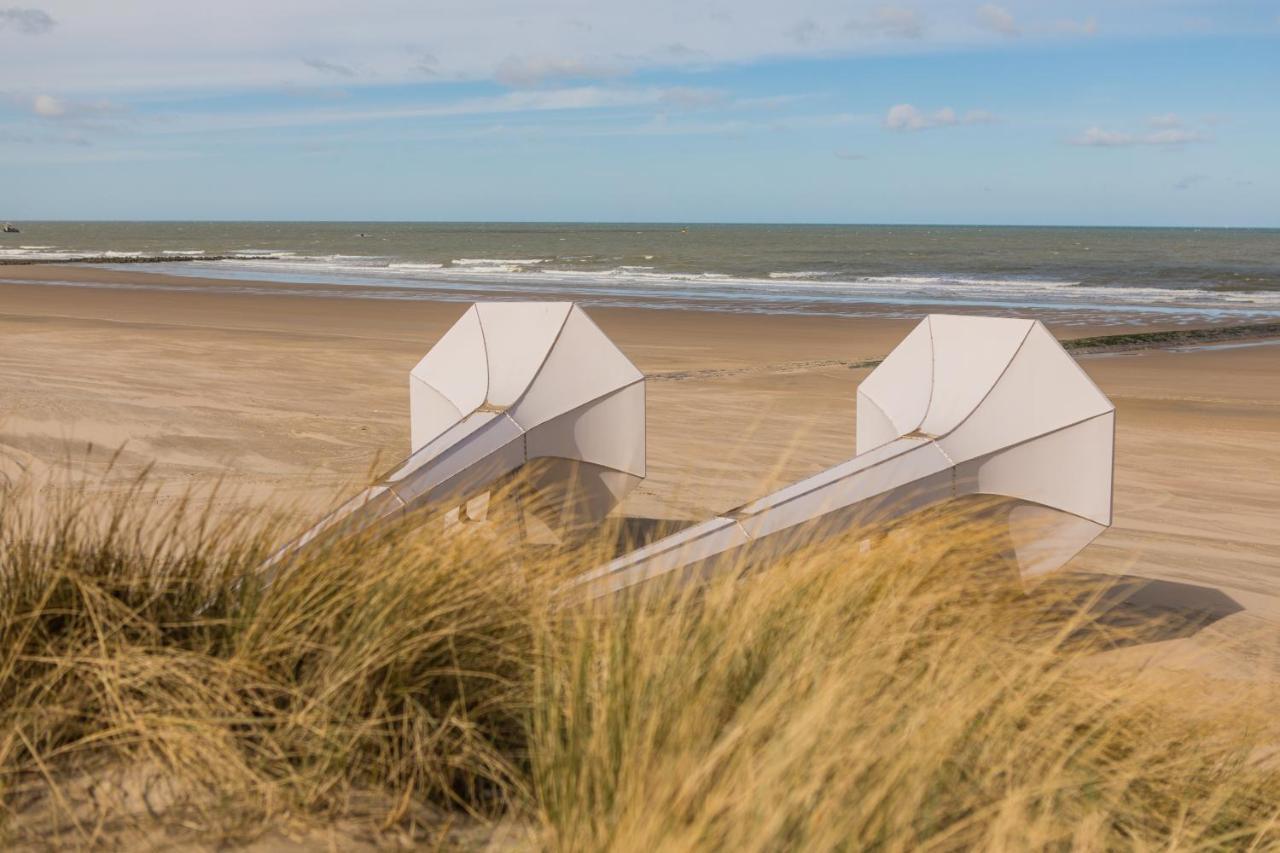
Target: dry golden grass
910 697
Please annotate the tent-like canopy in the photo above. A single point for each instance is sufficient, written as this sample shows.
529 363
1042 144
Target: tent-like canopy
514 385
963 406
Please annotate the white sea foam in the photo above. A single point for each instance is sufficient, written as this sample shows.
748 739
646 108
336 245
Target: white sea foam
496 262
412 267
799 274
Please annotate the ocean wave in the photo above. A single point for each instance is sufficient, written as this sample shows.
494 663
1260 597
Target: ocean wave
609 279
799 274
798 285
497 262
408 267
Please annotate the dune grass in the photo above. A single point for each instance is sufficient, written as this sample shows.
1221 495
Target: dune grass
910 696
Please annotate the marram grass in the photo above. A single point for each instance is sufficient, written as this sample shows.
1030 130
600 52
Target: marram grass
910 696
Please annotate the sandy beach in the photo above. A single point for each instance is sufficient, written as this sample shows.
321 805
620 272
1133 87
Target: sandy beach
294 400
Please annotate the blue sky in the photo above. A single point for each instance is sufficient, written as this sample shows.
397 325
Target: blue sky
1128 112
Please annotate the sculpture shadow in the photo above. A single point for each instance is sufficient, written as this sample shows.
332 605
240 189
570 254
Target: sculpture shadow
632 532
1125 610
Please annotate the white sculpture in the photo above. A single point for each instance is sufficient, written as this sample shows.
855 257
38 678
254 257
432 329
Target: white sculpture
963 406
513 385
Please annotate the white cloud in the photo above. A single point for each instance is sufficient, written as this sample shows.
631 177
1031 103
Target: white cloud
1168 137
32 22
50 107
891 22
905 117
998 19
1166 120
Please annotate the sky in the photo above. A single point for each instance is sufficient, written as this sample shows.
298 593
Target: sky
1114 112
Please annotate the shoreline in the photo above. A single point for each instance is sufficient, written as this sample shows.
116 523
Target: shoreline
1088 318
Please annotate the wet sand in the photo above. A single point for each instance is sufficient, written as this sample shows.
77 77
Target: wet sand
295 399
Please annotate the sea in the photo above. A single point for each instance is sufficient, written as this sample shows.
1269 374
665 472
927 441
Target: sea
1178 275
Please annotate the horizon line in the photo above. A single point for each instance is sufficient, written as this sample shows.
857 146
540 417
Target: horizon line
668 222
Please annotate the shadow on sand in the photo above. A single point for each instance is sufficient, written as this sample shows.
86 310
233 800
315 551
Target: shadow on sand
1125 610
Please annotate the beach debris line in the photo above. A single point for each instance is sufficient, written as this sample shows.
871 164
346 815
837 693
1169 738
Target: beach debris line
1171 338
529 387
132 259
964 407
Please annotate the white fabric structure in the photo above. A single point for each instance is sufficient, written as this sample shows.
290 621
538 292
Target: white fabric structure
512 385
963 406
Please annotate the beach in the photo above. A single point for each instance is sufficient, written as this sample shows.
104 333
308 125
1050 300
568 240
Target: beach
291 401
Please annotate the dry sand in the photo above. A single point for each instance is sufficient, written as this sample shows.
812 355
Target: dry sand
295 399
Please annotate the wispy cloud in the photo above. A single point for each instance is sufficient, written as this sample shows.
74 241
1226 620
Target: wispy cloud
1167 137
521 71
570 99
23 137
998 20
804 32
1166 120
426 63
201 47
905 117
890 22
692 98
325 66
1067 26
32 22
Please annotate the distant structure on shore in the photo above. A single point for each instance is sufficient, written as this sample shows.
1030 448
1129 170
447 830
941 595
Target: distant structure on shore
10 228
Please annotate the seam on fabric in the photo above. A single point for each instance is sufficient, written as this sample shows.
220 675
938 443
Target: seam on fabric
484 347
999 377
870 467
943 451
546 356
591 402
933 373
861 394
1076 362
605 570
443 395
1039 436
610 340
